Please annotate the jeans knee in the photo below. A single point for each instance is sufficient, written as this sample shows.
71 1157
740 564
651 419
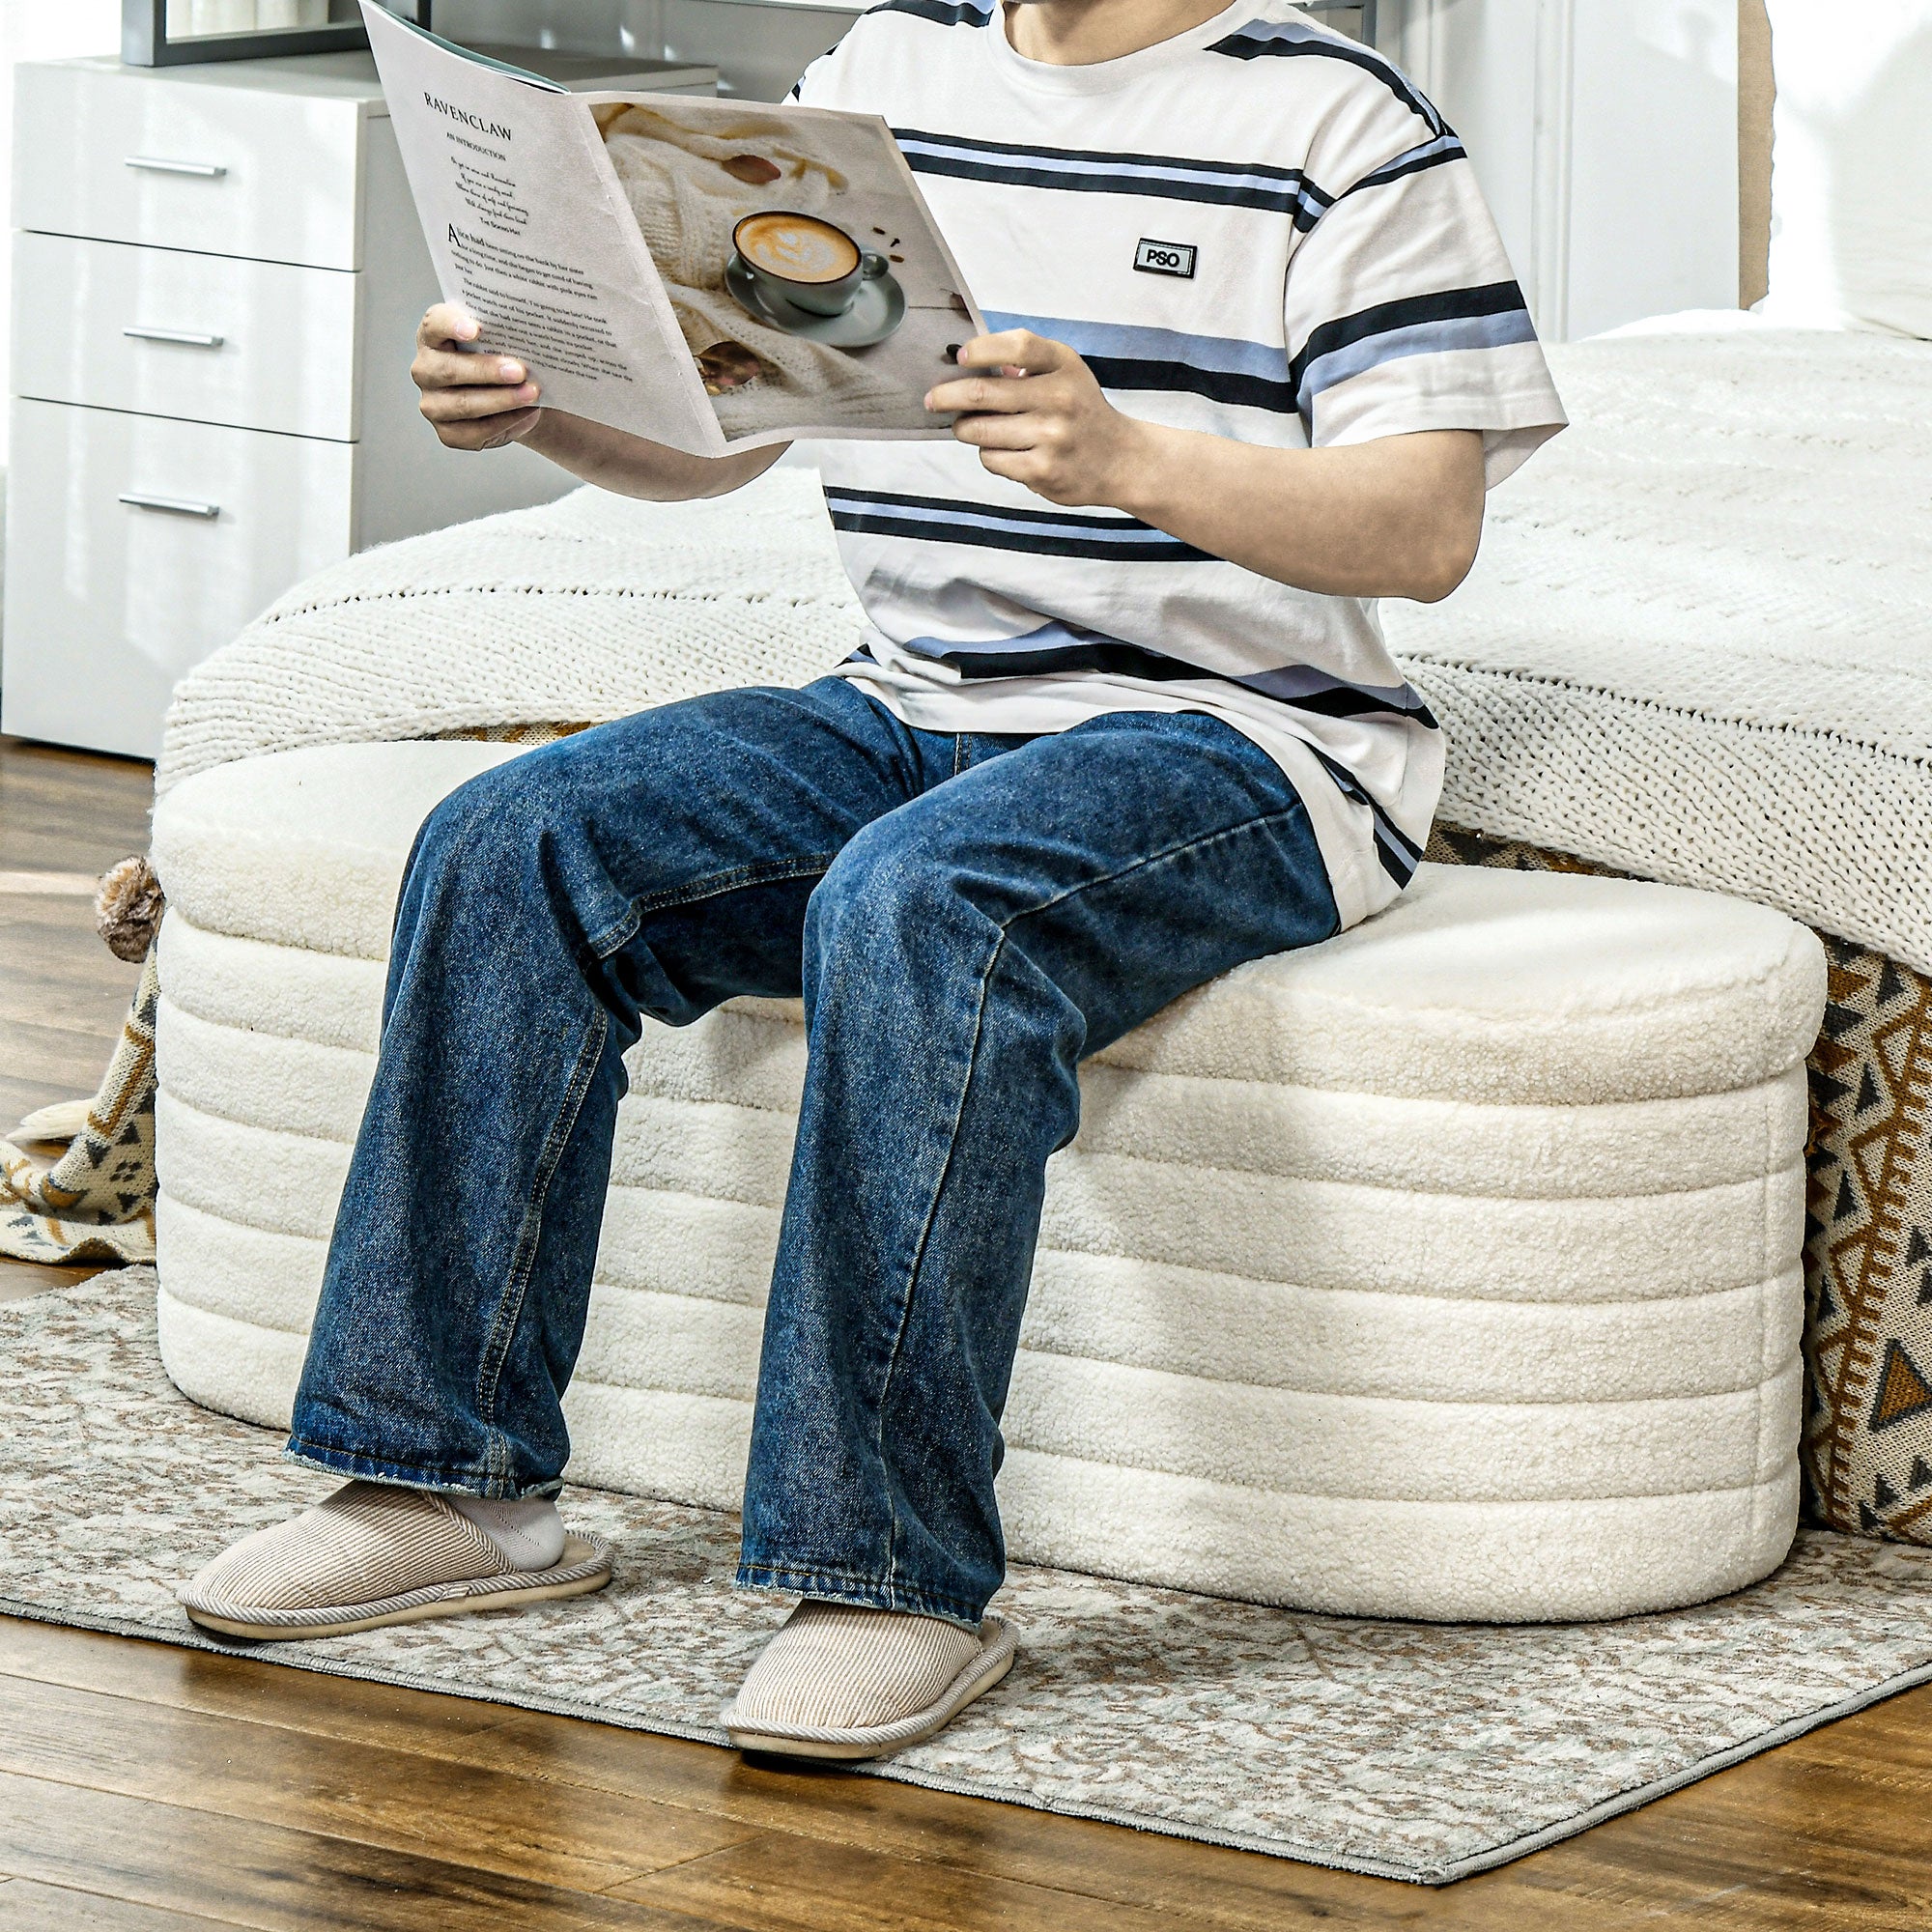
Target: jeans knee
497 835
889 916
466 824
878 893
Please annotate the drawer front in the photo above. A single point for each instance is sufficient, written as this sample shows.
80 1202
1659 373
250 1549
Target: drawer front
258 345
128 157
108 603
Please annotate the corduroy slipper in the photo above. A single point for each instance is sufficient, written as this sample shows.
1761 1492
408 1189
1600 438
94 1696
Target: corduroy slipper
842 1680
371 1554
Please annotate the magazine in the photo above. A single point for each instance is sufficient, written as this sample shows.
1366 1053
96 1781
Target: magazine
709 274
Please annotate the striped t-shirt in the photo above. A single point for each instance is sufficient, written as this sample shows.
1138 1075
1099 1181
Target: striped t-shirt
1258 229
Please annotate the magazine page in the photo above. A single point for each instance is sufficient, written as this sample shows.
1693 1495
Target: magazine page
528 232
813 291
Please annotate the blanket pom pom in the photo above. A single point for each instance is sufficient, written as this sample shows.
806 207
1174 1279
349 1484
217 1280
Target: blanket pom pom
128 907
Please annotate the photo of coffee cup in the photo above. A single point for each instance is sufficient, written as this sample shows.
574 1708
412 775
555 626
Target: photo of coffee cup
804 261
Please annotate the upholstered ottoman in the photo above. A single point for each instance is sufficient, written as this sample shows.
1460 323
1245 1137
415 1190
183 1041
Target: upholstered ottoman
1449 1269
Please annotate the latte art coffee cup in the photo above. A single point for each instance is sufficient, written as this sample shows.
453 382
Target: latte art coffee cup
796 247
804 261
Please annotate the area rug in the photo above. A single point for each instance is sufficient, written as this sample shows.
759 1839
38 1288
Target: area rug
1413 1752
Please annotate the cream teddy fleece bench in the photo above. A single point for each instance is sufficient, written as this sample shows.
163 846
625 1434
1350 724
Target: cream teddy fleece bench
1450 1270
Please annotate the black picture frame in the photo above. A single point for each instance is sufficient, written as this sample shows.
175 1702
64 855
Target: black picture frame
145 42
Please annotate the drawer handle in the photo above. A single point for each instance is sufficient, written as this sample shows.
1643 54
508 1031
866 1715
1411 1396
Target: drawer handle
159 166
186 337
173 506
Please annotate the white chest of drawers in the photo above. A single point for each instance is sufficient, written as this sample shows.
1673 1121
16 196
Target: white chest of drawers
217 273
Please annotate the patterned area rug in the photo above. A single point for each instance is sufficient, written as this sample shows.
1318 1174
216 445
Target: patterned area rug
1415 1752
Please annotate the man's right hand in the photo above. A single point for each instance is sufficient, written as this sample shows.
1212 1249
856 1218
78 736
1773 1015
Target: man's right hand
472 401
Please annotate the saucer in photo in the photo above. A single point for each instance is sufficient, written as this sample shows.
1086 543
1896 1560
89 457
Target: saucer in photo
878 307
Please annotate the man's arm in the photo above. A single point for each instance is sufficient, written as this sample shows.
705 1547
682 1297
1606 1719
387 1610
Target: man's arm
483 402
1397 516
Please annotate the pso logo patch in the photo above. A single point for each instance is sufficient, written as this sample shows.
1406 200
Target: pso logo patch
1165 258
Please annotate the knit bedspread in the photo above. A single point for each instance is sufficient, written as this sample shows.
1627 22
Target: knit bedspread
579 610
1697 645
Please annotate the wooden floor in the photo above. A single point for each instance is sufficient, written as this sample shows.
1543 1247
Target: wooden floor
147 1789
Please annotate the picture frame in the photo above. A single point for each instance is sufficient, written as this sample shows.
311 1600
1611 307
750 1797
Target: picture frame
155 33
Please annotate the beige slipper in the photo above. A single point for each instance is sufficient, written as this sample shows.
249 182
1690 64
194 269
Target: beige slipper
841 1681
373 1555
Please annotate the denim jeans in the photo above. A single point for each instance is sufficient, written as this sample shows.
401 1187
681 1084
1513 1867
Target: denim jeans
965 917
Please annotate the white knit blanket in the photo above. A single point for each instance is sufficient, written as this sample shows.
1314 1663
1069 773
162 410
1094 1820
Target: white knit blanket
1699 645
584 610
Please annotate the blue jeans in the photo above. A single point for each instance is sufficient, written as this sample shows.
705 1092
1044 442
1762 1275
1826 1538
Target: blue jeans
965 917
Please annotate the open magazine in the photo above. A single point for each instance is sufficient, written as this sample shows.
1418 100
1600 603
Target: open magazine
710 275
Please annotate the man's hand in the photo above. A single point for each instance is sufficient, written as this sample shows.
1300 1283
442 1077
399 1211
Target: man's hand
1041 419
483 401
472 401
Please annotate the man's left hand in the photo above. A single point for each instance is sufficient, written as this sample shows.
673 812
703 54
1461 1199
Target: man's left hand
1036 415
1392 516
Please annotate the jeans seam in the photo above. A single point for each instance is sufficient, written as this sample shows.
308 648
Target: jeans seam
612 937
316 1453
1151 859
801 1575
926 1236
714 886
510 1306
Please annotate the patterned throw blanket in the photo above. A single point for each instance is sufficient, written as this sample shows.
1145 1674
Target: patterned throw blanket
96 1202
1698 649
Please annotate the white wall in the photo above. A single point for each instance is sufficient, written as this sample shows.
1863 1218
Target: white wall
1605 135
759 50
1653 189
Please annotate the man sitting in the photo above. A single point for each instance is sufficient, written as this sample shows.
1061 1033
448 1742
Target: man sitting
1123 718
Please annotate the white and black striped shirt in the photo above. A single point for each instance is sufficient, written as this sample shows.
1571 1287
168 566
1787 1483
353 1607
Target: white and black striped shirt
1346 282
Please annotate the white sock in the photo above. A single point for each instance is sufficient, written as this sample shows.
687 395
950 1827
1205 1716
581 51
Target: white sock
527 1529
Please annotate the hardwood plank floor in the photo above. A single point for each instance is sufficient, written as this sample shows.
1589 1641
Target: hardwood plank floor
28 1906
497 1820
70 811
1833 1830
148 1789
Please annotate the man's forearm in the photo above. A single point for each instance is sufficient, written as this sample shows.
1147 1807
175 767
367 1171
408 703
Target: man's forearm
632 467
1400 517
